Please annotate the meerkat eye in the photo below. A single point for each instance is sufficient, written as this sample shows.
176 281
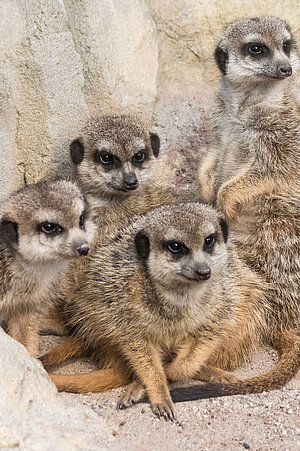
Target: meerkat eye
82 220
287 47
255 49
50 228
209 242
175 247
103 157
139 157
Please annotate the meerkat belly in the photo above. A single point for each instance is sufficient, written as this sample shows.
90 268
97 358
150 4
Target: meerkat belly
28 293
21 301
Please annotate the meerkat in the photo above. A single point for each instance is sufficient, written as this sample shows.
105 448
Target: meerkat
42 228
168 295
114 158
252 174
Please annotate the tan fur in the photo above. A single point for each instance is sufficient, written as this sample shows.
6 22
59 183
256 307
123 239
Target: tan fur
151 315
33 261
254 170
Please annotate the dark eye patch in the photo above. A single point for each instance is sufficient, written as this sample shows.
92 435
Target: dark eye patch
176 248
82 220
209 242
139 157
287 47
107 159
255 49
50 228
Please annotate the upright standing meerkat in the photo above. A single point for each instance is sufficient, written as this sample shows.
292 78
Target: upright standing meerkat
42 227
158 303
253 172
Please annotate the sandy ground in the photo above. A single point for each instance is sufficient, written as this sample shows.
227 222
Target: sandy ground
267 421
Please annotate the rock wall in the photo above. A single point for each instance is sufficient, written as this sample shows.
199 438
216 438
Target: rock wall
64 60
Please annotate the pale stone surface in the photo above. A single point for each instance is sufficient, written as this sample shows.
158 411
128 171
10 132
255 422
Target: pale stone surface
64 60
33 416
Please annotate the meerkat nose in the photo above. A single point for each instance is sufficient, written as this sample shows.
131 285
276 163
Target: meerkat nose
83 249
286 71
130 181
203 272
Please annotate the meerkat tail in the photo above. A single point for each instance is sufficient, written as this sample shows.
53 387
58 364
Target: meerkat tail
288 344
70 348
94 381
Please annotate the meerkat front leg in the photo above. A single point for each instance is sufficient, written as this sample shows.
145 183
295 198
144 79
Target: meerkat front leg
215 375
242 189
134 392
145 361
190 362
25 328
207 178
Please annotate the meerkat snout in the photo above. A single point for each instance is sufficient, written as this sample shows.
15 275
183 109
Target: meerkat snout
130 181
83 249
203 271
285 70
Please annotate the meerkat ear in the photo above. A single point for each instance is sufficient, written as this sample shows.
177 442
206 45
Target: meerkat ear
142 245
76 151
155 143
221 58
9 231
224 228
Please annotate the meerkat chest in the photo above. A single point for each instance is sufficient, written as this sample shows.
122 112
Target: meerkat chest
182 315
28 289
235 154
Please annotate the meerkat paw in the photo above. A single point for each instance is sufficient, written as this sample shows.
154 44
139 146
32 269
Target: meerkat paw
133 394
215 376
228 206
164 410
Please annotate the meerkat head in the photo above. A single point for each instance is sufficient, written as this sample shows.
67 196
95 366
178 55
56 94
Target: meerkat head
115 156
182 245
46 222
257 50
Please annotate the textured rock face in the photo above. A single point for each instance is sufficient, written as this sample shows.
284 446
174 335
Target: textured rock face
64 60
33 415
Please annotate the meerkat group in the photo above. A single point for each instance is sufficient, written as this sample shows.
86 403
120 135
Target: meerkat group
161 296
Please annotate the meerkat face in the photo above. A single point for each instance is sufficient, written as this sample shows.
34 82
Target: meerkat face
257 50
115 157
47 222
183 245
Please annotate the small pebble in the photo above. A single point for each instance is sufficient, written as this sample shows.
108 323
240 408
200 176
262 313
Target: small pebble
246 445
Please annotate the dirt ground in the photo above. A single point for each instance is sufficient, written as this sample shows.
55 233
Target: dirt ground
267 421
